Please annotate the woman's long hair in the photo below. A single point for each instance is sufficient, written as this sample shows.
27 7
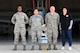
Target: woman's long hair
66 9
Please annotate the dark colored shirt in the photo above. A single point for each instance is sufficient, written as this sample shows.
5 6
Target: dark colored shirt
65 21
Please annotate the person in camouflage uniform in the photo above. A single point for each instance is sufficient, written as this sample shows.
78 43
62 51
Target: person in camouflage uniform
19 19
36 22
52 21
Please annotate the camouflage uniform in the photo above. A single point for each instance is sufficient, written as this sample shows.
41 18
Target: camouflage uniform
19 19
52 21
36 23
36 26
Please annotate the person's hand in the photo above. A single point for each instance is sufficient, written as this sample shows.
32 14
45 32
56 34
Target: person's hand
69 27
60 28
43 25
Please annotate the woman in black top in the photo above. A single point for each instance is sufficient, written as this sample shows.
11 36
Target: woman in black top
66 27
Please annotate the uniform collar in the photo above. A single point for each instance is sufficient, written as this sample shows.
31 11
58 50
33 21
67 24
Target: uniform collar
36 16
19 12
51 13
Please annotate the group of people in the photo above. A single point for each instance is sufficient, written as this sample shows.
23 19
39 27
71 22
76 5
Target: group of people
36 21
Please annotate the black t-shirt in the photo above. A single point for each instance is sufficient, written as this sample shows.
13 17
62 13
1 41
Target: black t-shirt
65 21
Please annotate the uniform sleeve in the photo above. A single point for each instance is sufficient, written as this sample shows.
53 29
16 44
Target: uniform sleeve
42 20
26 19
58 19
46 19
30 21
13 20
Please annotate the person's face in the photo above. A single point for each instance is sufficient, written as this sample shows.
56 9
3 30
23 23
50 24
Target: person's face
19 9
52 9
35 12
64 10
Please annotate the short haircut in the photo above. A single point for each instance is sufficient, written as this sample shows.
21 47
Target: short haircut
19 6
35 9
